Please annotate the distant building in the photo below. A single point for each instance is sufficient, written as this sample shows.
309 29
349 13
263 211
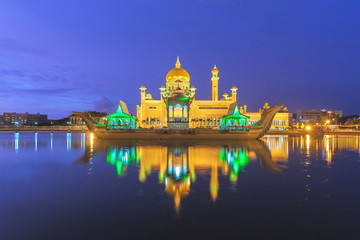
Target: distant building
24 118
317 115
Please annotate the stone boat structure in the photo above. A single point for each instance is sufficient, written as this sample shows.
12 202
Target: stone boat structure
254 131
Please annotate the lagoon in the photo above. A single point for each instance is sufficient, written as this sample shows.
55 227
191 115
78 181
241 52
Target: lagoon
73 186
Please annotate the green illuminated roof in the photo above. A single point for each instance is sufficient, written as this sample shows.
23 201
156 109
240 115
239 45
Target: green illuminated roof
234 112
121 111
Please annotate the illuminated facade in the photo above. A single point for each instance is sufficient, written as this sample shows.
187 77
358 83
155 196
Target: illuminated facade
179 108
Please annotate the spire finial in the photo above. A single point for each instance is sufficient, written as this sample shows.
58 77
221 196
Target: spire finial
177 64
215 70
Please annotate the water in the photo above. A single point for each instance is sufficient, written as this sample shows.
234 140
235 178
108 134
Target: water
73 186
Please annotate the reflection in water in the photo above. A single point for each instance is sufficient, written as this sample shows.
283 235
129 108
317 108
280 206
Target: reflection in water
83 140
308 145
68 141
177 177
120 157
36 141
16 142
91 141
51 140
178 163
279 147
232 186
236 158
328 150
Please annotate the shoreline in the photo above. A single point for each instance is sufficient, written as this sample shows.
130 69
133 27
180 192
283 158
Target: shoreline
44 129
85 129
304 133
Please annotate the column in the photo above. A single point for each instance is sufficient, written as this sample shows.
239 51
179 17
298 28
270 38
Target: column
183 111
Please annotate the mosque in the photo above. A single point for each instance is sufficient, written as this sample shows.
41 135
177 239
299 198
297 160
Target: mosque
178 107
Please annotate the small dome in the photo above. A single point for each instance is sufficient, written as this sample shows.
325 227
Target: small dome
215 70
177 73
178 95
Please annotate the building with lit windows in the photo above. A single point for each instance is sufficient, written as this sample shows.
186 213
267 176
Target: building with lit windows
178 107
317 115
24 118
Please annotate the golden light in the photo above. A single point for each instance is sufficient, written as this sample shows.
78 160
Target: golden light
91 141
308 128
327 121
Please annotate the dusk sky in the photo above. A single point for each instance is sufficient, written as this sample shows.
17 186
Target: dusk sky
79 55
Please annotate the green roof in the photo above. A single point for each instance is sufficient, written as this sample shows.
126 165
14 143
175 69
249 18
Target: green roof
234 112
121 111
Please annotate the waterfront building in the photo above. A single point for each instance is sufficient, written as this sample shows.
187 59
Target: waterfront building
76 120
317 115
24 118
179 108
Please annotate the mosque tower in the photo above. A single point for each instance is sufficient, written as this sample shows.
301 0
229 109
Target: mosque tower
215 84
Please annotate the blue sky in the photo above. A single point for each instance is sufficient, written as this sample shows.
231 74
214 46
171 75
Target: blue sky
78 55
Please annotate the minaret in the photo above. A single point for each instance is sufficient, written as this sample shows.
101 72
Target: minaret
215 84
142 93
162 91
233 93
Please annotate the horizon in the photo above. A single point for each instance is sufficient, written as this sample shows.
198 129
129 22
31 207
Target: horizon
304 55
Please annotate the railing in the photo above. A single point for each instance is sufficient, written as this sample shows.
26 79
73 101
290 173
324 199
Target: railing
235 128
122 127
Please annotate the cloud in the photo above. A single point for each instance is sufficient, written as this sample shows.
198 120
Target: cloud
103 105
12 73
12 45
24 74
41 91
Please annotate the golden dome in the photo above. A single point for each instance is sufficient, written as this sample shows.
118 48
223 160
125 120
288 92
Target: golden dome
177 73
215 70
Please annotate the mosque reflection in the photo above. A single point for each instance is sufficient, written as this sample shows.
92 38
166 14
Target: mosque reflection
178 163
